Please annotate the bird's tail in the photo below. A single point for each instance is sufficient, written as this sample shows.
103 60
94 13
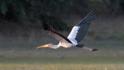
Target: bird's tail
88 18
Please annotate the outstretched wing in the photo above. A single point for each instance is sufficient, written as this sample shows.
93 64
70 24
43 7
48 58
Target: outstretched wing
79 31
58 36
54 33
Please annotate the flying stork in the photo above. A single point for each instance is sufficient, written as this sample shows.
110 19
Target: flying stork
76 35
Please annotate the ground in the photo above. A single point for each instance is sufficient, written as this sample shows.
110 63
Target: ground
109 57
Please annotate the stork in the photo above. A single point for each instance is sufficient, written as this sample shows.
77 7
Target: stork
76 35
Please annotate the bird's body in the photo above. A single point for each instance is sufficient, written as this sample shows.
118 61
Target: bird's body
60 44
77 33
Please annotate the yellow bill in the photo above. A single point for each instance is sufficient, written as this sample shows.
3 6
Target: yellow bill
44 46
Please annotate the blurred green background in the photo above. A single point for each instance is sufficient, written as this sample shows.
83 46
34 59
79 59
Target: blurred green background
25 19
21 30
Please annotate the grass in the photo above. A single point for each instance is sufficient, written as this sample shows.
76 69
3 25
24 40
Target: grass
60 66
63 60
109 57
92 61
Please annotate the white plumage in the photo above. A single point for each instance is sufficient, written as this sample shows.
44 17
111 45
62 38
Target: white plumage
73 35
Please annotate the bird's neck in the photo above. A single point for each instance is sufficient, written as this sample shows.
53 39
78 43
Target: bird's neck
55 46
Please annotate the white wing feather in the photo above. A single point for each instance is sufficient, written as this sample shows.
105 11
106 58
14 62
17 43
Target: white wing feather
73 35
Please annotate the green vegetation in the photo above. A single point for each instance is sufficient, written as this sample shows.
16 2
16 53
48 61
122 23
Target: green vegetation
54 11
110 52
63 60
21 22
71 59
61 66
